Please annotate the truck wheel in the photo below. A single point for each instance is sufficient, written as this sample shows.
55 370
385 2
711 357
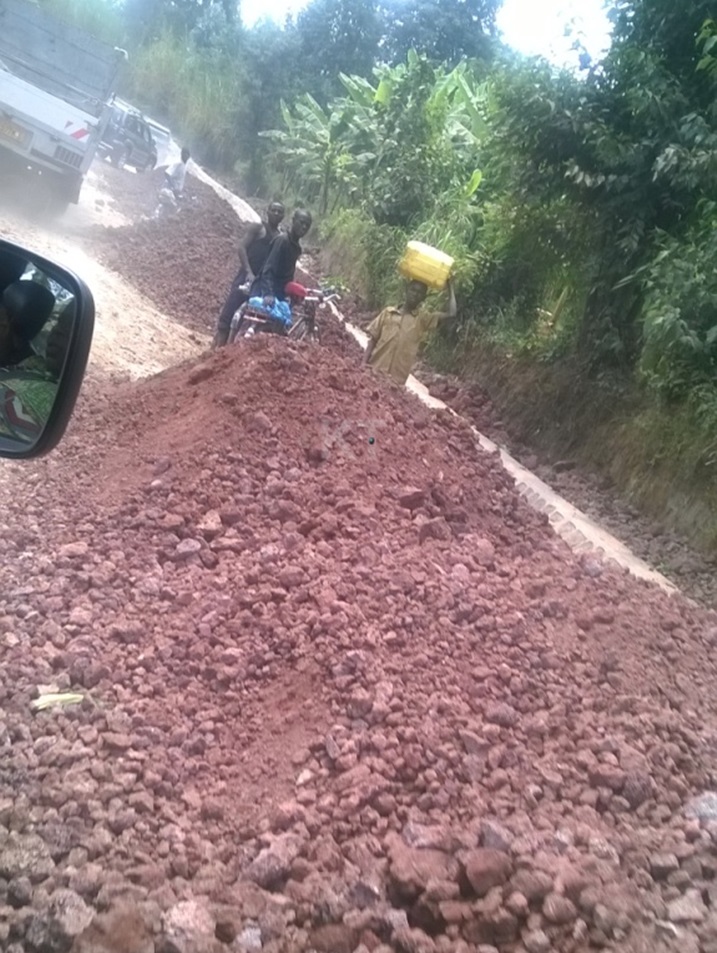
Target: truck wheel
51 199
57 206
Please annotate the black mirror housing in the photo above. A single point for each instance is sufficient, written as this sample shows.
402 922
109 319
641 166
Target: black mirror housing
47 317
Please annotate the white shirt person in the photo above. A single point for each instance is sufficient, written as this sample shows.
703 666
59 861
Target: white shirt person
176 173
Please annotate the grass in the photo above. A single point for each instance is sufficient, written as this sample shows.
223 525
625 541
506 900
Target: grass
364 255
662 458
200 94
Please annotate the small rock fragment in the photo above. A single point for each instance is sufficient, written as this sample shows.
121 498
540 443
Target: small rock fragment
486 868
662 865
502 714
687 909
703 807
536 941
558 909
411 497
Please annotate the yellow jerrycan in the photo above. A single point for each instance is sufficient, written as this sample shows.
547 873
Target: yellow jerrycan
421 262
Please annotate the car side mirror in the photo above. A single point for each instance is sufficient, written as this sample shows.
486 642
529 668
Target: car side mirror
47 316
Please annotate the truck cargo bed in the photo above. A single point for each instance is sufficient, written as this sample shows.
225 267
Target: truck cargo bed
56 56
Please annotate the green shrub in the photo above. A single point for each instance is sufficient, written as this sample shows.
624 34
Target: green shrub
199 91
679 354
366 255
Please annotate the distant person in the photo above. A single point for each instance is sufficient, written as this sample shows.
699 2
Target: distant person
396 333
253 251
176 173
279 268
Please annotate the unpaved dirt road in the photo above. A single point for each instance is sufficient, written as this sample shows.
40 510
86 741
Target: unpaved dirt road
344 690
131 338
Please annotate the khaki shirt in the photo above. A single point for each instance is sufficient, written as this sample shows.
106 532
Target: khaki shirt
397 336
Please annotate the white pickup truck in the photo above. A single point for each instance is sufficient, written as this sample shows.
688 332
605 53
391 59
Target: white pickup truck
55 85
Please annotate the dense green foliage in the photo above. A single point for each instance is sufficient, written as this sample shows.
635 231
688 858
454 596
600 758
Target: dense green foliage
594 228
394 146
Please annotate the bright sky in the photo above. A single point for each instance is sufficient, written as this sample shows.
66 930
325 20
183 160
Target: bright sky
531 26
253 10
539 26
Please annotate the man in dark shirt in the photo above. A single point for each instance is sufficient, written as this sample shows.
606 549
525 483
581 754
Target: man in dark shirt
279 267
253 252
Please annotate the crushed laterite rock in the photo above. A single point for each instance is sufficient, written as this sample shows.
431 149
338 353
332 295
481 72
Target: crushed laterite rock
345 690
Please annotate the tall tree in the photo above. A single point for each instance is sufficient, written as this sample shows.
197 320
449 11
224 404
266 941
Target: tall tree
146 19
632 146
668 32
273 68
337 36
447 31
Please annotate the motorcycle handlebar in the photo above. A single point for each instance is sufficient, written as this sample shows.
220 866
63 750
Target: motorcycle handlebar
322 294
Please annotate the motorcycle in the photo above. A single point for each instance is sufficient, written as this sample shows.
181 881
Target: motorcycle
295 318
254 317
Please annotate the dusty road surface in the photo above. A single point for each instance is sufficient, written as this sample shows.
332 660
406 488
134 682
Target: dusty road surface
342 690
132 338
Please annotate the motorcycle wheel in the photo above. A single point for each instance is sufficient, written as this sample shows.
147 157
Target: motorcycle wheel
236 332
302 331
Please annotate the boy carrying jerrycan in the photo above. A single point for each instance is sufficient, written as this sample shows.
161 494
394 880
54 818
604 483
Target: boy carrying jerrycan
396 333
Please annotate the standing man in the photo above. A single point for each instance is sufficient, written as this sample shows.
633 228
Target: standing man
278 270
253 252
396 333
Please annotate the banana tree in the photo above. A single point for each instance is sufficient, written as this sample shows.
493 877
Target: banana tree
390 143
310 149
465 102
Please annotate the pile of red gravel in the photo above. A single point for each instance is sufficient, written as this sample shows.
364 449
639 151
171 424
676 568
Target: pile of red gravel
344 690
